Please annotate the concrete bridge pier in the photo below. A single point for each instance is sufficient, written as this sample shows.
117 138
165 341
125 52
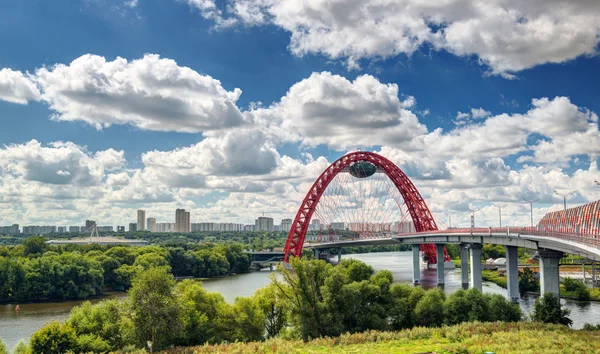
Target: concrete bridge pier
439 254
416 264
476 281
512 273
464 265
316 253
549 276
328 259
339 255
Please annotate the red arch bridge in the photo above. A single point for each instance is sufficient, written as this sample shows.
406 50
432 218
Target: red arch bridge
319 204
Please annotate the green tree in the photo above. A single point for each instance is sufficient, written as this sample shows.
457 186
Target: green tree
302 288
528 281
429 311
249 319
3 349
155 312
34 246
54 337
577 288
547 309
151 260
273 308
503 310
106 319
456 308
21 348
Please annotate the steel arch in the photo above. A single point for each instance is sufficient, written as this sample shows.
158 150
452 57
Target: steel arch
419 212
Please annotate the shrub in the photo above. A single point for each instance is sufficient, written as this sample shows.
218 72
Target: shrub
21 348
3 349
429 311
54 337
576 288
90 343
591 327
547 309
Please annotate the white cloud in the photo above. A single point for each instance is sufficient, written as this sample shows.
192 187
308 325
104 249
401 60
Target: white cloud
17 88
150 93
507 35
59 163
329 109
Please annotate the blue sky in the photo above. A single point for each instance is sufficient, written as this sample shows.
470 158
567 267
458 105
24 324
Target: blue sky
442 90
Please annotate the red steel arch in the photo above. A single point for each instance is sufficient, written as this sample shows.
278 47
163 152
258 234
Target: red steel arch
419 212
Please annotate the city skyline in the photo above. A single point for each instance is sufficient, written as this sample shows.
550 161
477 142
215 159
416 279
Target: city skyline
492 106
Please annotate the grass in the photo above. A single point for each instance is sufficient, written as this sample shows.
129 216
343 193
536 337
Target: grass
465 338
494 277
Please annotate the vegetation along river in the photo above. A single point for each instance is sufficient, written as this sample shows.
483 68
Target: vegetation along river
14 326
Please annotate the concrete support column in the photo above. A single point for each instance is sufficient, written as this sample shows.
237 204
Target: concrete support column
439 248
476 281
549 277
316 253
339 254
328 259
512 273
416 264
464 265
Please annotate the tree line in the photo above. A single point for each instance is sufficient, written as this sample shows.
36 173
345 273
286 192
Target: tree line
35 272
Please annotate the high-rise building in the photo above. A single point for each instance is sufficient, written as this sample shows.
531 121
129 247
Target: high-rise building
182 220
132 227
286 225
151 224
89 224
9 230
315 225
74 228
62 229
263 224
120 228
165 227
141 220
337 226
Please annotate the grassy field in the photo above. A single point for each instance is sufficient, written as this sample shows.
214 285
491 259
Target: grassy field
465 338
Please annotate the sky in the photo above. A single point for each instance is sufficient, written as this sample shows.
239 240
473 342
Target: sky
233 108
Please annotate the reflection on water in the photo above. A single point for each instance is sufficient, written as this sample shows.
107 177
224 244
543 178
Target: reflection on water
14 326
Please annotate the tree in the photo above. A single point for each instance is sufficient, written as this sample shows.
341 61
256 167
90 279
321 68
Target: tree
547 309
249 319
302 288
503 310
21 348
54 337
577 288
456 308
429 311
155 312
528 281
35 245
3 349
273 307
104 319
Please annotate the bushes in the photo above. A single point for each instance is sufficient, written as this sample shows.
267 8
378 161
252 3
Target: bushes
3 349
547 309
54 337
576 289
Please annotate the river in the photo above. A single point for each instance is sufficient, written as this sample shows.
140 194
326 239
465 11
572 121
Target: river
15 326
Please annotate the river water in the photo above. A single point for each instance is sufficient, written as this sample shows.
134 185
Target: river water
15 326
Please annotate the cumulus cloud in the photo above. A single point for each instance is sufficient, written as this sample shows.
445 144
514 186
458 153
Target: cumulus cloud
60 163
506 35
17 88
151 93
330 109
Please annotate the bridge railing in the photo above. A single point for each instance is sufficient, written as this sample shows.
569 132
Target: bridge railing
585 239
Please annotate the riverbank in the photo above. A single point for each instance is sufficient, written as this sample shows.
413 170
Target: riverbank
468 338
494 277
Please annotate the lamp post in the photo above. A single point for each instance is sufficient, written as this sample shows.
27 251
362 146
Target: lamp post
531 207
565 195
473 217
500 212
